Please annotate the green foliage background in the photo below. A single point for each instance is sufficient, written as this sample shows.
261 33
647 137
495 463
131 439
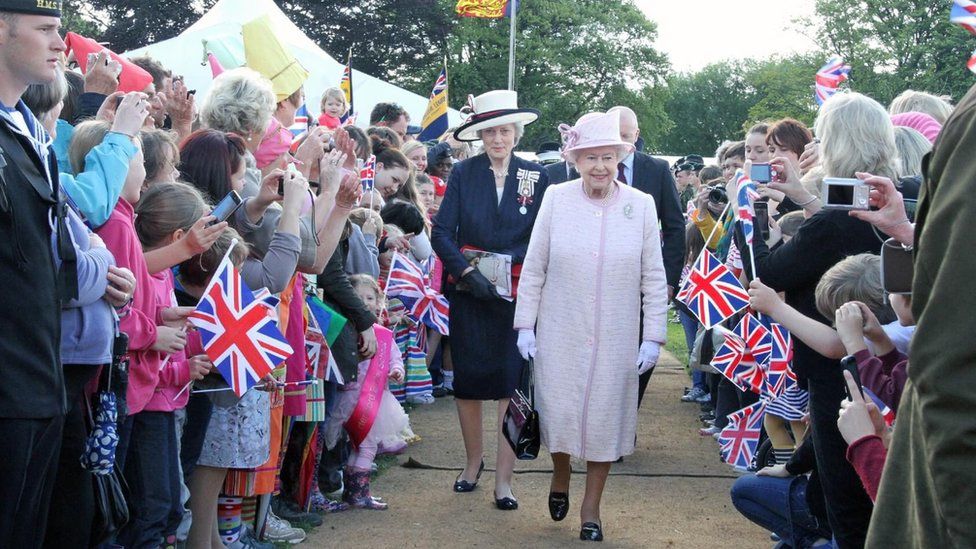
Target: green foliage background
575 56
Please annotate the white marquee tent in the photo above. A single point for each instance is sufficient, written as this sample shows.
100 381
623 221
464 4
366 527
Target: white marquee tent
185 55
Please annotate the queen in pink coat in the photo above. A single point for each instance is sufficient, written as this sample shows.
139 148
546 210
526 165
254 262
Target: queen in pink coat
593 265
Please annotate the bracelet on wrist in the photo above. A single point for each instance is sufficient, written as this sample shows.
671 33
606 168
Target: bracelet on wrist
813 199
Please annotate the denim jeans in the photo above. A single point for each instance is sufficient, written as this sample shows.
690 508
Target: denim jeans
152 473
778 505
690 325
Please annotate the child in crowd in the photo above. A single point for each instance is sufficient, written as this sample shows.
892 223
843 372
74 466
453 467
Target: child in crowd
789 224
427 194
333 107
694 244
390 418
154 331
166 212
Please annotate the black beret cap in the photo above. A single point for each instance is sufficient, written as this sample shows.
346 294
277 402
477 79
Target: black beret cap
32 7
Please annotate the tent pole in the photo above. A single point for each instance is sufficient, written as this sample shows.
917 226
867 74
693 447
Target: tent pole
513 8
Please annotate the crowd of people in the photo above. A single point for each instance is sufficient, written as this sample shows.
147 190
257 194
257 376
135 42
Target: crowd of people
120 206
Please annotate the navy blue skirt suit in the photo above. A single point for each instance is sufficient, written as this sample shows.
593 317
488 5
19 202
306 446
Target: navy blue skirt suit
487 364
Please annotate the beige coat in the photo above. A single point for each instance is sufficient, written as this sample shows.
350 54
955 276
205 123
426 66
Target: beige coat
585 271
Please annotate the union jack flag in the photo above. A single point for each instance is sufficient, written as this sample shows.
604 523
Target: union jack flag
887 413
729 357
733 261
406 282
741 438
829 78
757 338
964 14
238 330
779 375
746 194
300 127
367 174
711 291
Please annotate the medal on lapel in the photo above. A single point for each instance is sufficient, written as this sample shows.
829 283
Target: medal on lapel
526 188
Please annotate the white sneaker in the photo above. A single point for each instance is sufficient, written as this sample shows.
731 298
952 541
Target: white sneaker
278 530
425 398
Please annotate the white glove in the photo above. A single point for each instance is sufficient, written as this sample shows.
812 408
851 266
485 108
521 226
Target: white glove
647 356
526 343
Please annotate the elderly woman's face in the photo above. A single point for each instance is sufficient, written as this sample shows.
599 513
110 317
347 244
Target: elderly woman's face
499 141
598 166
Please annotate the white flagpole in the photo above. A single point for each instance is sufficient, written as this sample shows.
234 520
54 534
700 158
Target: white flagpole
511 45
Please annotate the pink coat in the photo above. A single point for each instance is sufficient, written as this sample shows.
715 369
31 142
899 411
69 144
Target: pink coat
175 373
585 271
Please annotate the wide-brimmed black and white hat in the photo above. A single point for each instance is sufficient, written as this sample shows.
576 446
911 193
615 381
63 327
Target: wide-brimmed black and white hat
492 109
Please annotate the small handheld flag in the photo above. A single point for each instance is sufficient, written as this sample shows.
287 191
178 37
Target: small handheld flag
406 282
711 291
886 412
435 119
301 121
237 329
829 78
740 439
367 174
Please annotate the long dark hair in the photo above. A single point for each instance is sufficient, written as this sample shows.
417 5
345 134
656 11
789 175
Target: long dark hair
208 159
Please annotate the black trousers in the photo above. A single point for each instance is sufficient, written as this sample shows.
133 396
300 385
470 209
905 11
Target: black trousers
30 463
73 507
848 505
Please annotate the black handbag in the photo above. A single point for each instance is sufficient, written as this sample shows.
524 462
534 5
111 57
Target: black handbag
111 507
521 423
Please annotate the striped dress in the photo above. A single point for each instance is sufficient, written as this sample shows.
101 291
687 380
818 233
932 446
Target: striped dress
791 405
411 339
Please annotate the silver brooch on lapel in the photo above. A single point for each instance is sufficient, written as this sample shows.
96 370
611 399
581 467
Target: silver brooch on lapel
629 211
526 188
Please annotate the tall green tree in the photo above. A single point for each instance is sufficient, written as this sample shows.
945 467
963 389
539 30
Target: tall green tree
130 24
707 107
572 57
782 88
896 44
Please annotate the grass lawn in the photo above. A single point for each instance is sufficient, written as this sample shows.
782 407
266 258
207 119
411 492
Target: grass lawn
676 342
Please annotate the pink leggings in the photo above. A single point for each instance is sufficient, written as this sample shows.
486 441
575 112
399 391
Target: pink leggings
362 457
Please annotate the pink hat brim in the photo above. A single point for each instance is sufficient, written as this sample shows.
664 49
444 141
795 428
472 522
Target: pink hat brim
601 143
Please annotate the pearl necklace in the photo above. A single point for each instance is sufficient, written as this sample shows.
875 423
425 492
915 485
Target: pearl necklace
606 198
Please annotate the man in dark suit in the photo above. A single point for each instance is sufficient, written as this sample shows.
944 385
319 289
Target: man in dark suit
653 176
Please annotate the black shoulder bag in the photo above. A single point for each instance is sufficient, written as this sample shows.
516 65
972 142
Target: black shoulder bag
521 423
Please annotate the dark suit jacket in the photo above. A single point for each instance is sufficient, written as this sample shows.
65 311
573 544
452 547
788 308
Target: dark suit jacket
652 176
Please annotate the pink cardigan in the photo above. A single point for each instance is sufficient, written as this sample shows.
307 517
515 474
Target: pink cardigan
175 374
120 238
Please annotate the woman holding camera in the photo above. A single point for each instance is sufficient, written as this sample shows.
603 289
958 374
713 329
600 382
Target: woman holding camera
856 136
584 296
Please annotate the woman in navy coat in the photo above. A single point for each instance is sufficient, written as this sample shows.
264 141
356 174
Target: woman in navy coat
491 204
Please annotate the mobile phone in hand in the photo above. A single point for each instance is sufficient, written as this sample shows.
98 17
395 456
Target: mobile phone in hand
226 207
762 218
850 364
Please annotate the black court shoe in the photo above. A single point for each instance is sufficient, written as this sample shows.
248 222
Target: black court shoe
462 486
506 504
591 531
558 505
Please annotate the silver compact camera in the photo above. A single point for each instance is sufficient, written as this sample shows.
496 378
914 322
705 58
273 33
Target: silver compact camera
845 194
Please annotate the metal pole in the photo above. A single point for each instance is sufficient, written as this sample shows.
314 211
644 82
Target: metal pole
513 7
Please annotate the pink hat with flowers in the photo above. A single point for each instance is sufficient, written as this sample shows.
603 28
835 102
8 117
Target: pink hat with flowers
593 130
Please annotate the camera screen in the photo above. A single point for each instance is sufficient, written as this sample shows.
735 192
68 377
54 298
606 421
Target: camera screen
840 195
761 173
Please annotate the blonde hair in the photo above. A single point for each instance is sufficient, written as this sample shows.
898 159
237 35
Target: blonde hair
87 136
856 135
855 278
366 281
333 93
411 146
912 147
938 107
240 101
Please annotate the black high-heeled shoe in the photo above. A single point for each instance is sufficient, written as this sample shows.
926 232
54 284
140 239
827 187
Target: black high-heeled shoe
591 531
463 486
558 505
505 504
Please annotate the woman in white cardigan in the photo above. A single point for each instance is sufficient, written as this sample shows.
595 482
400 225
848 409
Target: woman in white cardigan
593 265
